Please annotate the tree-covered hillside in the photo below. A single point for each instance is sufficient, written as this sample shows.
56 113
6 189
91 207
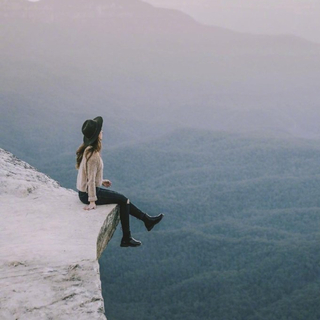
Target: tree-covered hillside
240 238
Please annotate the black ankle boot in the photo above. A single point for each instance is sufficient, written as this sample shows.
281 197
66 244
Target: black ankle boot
150 222
128 241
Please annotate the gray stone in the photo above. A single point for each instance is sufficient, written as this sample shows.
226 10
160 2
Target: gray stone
49 247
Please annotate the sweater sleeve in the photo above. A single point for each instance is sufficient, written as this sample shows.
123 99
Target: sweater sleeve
92 168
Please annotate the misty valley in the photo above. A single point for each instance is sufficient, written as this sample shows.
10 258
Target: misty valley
240 237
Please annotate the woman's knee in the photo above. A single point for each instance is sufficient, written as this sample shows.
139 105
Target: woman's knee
121 199
109 196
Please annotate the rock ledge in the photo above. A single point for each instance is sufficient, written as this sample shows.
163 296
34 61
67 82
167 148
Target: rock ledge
49 247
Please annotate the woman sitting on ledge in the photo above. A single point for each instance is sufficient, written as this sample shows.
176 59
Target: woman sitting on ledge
93 189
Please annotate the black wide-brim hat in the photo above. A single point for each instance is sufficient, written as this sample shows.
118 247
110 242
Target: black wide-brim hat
91 130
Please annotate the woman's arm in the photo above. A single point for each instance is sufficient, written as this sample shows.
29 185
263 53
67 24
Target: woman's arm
106 183
90 206
92 168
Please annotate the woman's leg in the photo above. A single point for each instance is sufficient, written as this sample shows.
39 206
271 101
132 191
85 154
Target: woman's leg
106 196
136 212
83 196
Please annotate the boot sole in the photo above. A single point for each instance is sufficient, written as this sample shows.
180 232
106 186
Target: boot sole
128 245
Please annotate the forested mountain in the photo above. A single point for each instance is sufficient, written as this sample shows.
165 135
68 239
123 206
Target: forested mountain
240 238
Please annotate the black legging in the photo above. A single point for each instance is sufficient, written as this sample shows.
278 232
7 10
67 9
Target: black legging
106 196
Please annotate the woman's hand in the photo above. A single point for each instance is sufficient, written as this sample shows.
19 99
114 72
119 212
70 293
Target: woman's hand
106 183
90 206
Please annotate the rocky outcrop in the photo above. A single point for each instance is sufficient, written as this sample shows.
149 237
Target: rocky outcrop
49 247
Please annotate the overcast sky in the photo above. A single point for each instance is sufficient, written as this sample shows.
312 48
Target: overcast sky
297 17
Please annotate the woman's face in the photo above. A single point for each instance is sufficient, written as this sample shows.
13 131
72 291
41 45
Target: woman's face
101 134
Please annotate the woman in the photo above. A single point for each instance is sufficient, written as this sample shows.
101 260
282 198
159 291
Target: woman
93 189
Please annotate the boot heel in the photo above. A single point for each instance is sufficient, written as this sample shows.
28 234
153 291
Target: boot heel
130 242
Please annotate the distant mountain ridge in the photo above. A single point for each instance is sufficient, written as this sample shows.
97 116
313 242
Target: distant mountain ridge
107 11
148 70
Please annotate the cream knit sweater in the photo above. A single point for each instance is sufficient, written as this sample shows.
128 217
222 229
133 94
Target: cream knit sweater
90 174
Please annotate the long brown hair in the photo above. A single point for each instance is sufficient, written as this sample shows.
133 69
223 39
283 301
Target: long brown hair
93 147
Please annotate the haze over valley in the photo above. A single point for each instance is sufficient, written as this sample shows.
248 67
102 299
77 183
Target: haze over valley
145 67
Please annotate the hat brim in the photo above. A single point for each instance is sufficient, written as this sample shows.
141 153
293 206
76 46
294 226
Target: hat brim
99 122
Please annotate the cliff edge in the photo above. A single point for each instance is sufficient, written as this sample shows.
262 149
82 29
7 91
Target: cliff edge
49 247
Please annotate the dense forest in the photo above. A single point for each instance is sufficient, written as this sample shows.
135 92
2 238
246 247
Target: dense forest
240 238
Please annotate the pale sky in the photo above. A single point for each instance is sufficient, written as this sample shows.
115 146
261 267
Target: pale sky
297 17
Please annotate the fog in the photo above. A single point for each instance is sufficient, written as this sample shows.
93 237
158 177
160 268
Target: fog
148 71
300 18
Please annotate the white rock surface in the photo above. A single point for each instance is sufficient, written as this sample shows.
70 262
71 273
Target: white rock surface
49 247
